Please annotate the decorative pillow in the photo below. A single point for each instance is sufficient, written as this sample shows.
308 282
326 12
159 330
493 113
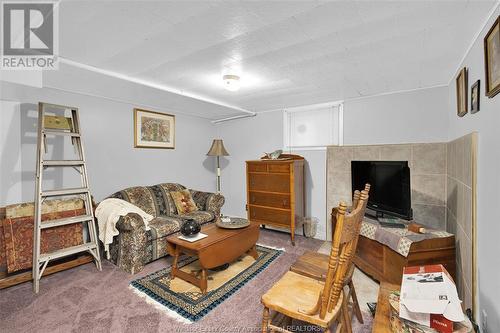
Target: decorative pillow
184 202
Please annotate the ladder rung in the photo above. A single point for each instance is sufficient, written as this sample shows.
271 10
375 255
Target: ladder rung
66 252
65 221
63 162
56 132
68 191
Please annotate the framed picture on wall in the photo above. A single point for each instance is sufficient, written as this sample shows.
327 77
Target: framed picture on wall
462 92
475 96
492 59
153 129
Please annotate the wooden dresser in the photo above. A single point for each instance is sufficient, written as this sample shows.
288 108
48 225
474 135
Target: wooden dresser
275 192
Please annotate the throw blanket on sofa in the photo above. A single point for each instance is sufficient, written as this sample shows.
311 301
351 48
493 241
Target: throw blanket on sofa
108 213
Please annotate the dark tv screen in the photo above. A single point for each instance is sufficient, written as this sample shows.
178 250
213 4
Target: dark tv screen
390 186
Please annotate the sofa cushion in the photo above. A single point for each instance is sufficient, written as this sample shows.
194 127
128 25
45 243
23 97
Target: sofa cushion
155 200
163 226
183 202
160 228
200 216
141 196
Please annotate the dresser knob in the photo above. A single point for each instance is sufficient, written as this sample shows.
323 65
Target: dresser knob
285 202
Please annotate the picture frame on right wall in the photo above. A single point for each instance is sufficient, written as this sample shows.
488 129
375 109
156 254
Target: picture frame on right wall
492 59
462 92
475 97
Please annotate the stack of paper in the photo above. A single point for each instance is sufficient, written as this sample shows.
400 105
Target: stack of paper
429 297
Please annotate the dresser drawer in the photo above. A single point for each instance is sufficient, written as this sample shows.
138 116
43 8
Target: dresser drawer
257 167
269 182
269 199
279 167
273 216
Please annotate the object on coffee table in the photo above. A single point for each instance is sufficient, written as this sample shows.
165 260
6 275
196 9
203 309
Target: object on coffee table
232 222
190 228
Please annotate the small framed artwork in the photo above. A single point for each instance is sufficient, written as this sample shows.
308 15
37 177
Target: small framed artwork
475 94
153 129
462 92
492 59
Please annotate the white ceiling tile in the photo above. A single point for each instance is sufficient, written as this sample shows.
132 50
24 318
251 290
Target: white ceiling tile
288 52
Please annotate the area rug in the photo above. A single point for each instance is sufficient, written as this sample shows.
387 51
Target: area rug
185 301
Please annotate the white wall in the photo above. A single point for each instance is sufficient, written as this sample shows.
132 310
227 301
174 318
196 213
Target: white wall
408 117
10 159
486 122
107 125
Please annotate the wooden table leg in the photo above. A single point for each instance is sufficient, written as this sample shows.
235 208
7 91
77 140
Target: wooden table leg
203 281
175 263
253 252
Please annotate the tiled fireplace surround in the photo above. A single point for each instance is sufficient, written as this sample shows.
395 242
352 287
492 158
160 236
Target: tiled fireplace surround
441 183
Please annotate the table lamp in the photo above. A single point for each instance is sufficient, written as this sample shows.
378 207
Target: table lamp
218 149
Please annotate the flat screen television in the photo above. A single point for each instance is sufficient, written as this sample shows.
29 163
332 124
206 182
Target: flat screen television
390 186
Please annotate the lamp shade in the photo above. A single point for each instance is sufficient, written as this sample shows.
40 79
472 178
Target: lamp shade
217 149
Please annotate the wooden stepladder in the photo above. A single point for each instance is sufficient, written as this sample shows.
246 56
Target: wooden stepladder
54 125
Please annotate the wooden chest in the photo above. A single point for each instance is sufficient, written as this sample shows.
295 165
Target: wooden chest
385 264
275 192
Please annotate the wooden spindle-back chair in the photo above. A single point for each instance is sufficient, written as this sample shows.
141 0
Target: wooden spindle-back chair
305 298
315 265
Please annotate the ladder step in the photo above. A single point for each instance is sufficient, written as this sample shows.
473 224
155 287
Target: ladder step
68 191
56 132
65 221
63 162
66 252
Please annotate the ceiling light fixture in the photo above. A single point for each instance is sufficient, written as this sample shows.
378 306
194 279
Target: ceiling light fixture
231 82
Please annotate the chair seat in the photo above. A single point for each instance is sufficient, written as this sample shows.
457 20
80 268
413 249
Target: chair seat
295 293
311 264
315 265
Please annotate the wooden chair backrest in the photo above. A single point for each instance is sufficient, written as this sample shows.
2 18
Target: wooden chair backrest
355 201
343 248
355 198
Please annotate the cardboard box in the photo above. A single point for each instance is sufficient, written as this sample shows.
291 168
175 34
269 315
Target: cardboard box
429 297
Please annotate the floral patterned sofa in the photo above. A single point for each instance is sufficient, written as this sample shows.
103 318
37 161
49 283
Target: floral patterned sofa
134 246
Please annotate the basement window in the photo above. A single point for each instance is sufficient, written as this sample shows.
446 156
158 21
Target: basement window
313 127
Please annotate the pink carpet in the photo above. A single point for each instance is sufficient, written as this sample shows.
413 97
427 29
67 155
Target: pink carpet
85 300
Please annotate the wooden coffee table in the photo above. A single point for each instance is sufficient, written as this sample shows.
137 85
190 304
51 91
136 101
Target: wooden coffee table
222 246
